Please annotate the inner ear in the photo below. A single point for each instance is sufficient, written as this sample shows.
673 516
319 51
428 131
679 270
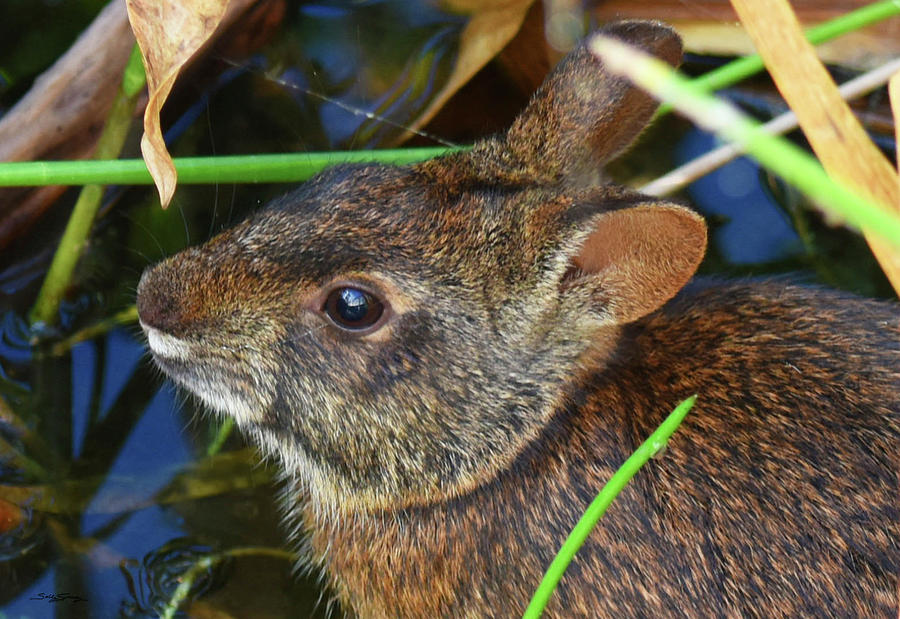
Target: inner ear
636 259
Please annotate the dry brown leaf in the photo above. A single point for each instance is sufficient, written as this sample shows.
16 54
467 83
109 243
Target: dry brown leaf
63 113
491 26
170 33
837 138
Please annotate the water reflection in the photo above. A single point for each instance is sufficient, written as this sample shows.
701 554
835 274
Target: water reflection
154 581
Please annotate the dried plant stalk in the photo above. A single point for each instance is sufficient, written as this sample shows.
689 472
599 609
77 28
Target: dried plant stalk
835 135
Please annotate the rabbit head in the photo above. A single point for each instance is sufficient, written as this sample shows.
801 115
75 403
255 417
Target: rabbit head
395 336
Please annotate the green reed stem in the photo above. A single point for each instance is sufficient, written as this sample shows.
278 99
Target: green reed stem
598 507
296 167
109 145
270 168
742 68
794 165
126 316
222 432
186 582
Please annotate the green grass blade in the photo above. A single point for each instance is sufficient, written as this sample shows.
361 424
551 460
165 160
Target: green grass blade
742 68
270 168
782 157
599 505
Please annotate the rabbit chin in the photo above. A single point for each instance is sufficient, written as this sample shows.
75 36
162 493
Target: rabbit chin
219 384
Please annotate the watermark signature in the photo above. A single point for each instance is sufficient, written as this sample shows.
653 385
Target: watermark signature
58 597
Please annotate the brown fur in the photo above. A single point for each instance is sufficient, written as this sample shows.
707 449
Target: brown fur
531 343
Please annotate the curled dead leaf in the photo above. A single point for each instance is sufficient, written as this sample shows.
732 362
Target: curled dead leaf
169 33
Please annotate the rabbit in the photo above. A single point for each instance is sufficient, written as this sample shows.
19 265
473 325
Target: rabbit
449 359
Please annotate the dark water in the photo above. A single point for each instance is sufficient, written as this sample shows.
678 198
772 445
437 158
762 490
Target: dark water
108 491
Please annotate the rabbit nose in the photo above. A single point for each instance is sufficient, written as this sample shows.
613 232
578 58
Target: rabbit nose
157 306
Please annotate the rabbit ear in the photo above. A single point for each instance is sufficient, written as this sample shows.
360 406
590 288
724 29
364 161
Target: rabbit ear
582 115
635 259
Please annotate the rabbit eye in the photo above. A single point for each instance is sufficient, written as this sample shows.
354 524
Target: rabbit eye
353 309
